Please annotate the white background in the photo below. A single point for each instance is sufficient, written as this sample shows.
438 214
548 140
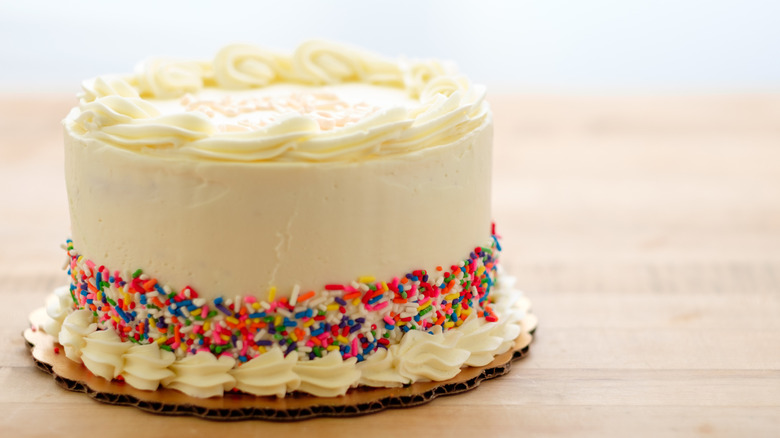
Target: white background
545 46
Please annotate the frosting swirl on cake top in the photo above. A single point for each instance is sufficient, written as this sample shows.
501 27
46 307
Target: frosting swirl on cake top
322 102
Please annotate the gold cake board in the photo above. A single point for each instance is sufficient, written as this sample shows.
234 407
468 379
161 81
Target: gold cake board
237 406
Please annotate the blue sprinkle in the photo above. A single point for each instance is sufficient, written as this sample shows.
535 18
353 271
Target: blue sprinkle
498 245
389 326
159 289
264 343
360 320
340 301
360 358
350 322
317 332
257 315
222 308
354 328
242 358
375 299
425 278
300 314
218 301
122 314
142 300
291 348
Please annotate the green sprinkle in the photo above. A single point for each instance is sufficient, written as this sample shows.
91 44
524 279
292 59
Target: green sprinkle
137 273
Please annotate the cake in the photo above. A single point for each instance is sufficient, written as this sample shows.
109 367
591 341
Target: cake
271 223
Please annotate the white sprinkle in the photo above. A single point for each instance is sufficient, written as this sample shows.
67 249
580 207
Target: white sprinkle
294 296
265 305
200 302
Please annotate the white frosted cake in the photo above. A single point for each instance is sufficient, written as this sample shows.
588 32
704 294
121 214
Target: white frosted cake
267 223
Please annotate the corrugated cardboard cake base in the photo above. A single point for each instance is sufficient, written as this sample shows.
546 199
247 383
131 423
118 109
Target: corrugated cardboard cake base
236 406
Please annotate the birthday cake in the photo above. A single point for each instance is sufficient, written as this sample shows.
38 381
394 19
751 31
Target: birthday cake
271 223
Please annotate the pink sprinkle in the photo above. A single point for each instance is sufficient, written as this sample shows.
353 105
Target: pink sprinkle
381 305
389 320
204 312
354 348
250 299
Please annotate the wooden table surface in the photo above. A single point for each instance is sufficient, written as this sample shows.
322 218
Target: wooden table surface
645 230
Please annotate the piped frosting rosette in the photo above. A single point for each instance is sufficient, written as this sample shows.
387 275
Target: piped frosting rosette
117 109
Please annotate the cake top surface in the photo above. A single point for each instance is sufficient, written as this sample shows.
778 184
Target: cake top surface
322 102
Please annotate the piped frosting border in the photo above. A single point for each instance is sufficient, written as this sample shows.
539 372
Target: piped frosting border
117 109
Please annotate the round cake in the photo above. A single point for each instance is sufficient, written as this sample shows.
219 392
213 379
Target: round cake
275 222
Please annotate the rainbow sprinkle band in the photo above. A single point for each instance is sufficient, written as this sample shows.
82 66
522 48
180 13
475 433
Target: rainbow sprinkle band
356 318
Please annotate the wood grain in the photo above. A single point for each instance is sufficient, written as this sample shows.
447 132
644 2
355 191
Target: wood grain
646 231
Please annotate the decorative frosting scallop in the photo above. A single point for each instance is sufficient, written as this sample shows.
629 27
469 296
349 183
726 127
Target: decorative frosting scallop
428 356
478 337
58 306
328 376
379 370
202 375
102 354
271 373
145 366
139 112
75 328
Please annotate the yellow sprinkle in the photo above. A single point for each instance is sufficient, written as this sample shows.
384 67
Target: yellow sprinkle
342 339
255 305
356 301
384 287
278 320
366 279
231 320
162 339
308 323
225 337
206 326
458 324
261 349
426 305
480 271
459 311
115 318
332 347
451 297
333 306
449 324
293 337
272 294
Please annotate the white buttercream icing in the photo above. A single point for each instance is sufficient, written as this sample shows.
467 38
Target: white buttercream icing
75 327
146 365
103 352
328 376
202 375
428 356
271 373
58 306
